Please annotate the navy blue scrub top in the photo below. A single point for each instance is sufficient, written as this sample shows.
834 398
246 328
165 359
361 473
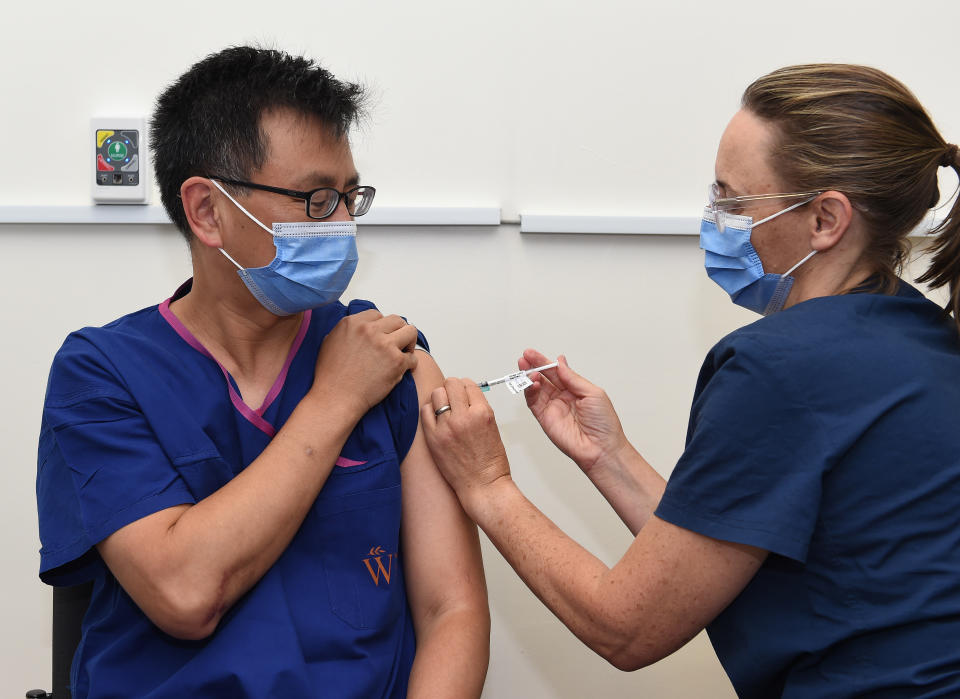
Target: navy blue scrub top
138 418
827 434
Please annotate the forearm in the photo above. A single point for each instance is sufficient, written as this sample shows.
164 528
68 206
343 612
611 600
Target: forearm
567 578
453 651
241 530
667 586
630 484
213 552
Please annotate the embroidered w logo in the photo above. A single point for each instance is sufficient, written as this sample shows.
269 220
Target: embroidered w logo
376 555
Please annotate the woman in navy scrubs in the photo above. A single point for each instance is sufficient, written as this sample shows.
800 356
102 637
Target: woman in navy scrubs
812 524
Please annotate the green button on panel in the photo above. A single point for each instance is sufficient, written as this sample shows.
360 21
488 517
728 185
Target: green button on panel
117 151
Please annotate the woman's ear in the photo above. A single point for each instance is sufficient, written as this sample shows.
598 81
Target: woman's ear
199 206
832 214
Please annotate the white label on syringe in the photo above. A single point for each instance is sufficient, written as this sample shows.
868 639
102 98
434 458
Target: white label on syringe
518 382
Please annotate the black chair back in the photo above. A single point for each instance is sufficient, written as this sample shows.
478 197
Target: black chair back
69 606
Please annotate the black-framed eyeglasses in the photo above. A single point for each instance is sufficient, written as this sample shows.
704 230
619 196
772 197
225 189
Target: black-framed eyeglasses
322 201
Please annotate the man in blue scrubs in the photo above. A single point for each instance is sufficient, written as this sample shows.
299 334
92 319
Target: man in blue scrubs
240 469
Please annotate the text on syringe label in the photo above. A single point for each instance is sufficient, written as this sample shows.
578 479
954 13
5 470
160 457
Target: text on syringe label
517 382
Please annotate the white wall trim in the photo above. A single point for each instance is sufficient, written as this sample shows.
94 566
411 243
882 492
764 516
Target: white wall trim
620 225
432 216
134 214
644 225
105 213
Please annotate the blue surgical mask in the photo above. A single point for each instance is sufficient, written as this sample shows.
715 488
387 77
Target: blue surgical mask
733 263
314 263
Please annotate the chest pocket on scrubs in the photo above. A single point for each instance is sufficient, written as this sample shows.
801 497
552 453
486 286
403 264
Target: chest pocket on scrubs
361 559
353 531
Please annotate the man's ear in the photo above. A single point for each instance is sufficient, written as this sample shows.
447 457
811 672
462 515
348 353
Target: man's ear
199 205
832 214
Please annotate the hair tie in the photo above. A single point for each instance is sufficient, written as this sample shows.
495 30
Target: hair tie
949 158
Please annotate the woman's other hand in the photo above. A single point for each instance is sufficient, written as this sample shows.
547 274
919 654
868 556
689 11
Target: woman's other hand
576 415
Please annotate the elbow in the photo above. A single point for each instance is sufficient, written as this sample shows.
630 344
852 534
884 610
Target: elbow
188 615
625 651
185 629
188 624
631 649
627 660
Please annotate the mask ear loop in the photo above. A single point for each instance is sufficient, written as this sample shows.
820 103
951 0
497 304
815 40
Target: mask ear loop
230 258
783 288
790 271
240 206
249 215
773 216
779 213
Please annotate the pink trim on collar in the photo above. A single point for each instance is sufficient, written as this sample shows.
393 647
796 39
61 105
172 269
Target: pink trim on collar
344 462
255 417
282 376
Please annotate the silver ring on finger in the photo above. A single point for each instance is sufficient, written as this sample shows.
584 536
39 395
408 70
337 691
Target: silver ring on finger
441 410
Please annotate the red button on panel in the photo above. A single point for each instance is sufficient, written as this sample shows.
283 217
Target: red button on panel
103 165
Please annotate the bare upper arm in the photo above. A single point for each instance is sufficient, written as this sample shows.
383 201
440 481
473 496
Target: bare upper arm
440 543
670 584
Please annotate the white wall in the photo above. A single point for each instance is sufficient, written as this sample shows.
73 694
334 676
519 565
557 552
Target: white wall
536 107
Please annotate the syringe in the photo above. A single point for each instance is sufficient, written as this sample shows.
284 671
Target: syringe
485 385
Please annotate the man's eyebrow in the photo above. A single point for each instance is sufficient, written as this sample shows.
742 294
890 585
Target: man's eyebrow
319 179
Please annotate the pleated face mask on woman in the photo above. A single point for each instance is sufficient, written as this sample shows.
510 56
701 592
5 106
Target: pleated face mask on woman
733 263
313 265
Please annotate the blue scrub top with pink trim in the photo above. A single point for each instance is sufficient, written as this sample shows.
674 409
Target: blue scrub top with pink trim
139 417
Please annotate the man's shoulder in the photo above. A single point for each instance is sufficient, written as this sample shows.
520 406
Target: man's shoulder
333 312
90 354
139 325
135 322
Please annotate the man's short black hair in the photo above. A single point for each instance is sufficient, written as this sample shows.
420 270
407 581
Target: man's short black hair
208 121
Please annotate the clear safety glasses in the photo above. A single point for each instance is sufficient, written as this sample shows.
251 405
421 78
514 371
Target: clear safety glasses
721 207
